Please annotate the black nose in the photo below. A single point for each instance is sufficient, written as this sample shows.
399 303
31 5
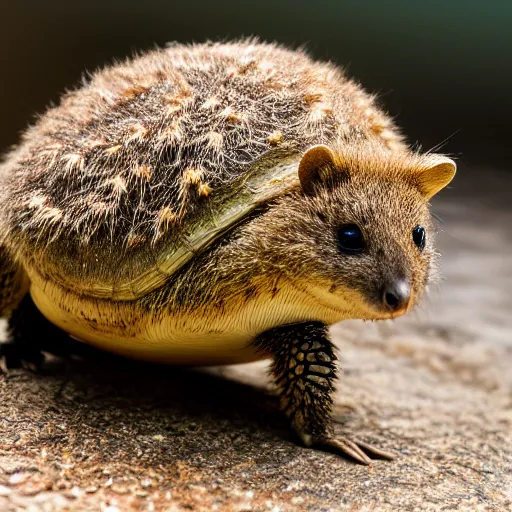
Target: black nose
396 295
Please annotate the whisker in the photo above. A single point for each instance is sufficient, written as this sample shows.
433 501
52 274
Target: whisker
443 143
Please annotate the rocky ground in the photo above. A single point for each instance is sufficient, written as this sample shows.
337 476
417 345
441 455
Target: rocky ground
436 388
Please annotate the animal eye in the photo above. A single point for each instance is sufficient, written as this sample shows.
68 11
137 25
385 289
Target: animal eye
350 239
418 236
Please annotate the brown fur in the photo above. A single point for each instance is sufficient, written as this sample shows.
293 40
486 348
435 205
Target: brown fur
124 161
125 141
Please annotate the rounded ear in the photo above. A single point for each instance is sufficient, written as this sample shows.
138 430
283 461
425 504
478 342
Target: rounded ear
317 163
432 178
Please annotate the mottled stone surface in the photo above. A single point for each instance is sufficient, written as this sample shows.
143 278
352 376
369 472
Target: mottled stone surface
435 387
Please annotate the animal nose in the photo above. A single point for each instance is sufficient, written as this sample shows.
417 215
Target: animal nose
396 295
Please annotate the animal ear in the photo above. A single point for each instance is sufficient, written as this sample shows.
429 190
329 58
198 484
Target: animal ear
316 165
435 175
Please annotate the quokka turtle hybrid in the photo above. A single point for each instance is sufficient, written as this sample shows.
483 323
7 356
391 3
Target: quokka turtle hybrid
214 204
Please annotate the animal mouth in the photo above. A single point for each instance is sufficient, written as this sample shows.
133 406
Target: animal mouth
364 309
361 308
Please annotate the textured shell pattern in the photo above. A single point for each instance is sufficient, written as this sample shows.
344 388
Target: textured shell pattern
151 160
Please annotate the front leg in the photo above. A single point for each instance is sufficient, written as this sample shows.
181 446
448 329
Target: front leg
304 369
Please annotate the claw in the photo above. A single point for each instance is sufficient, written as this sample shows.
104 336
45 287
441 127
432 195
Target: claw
382 454
354 449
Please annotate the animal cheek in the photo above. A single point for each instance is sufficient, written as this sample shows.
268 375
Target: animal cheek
422 275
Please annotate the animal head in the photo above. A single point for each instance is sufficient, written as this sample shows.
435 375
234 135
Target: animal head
359 236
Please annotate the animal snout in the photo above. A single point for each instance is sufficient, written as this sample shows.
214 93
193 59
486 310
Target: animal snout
396 295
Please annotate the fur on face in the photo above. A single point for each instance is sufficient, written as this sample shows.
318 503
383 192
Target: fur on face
386 195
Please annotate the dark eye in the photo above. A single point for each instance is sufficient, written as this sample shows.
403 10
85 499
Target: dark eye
350 239
418 235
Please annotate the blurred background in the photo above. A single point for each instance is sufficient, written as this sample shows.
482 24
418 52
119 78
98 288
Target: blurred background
442 69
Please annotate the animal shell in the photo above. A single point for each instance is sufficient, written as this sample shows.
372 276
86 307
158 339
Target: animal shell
152 161
258 187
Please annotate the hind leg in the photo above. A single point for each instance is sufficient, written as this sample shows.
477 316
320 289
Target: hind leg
30 334
25 330
14 297
14 283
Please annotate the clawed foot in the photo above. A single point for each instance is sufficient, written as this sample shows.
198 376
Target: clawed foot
358 450
304 369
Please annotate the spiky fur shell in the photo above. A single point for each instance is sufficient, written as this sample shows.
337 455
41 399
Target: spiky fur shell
103 181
